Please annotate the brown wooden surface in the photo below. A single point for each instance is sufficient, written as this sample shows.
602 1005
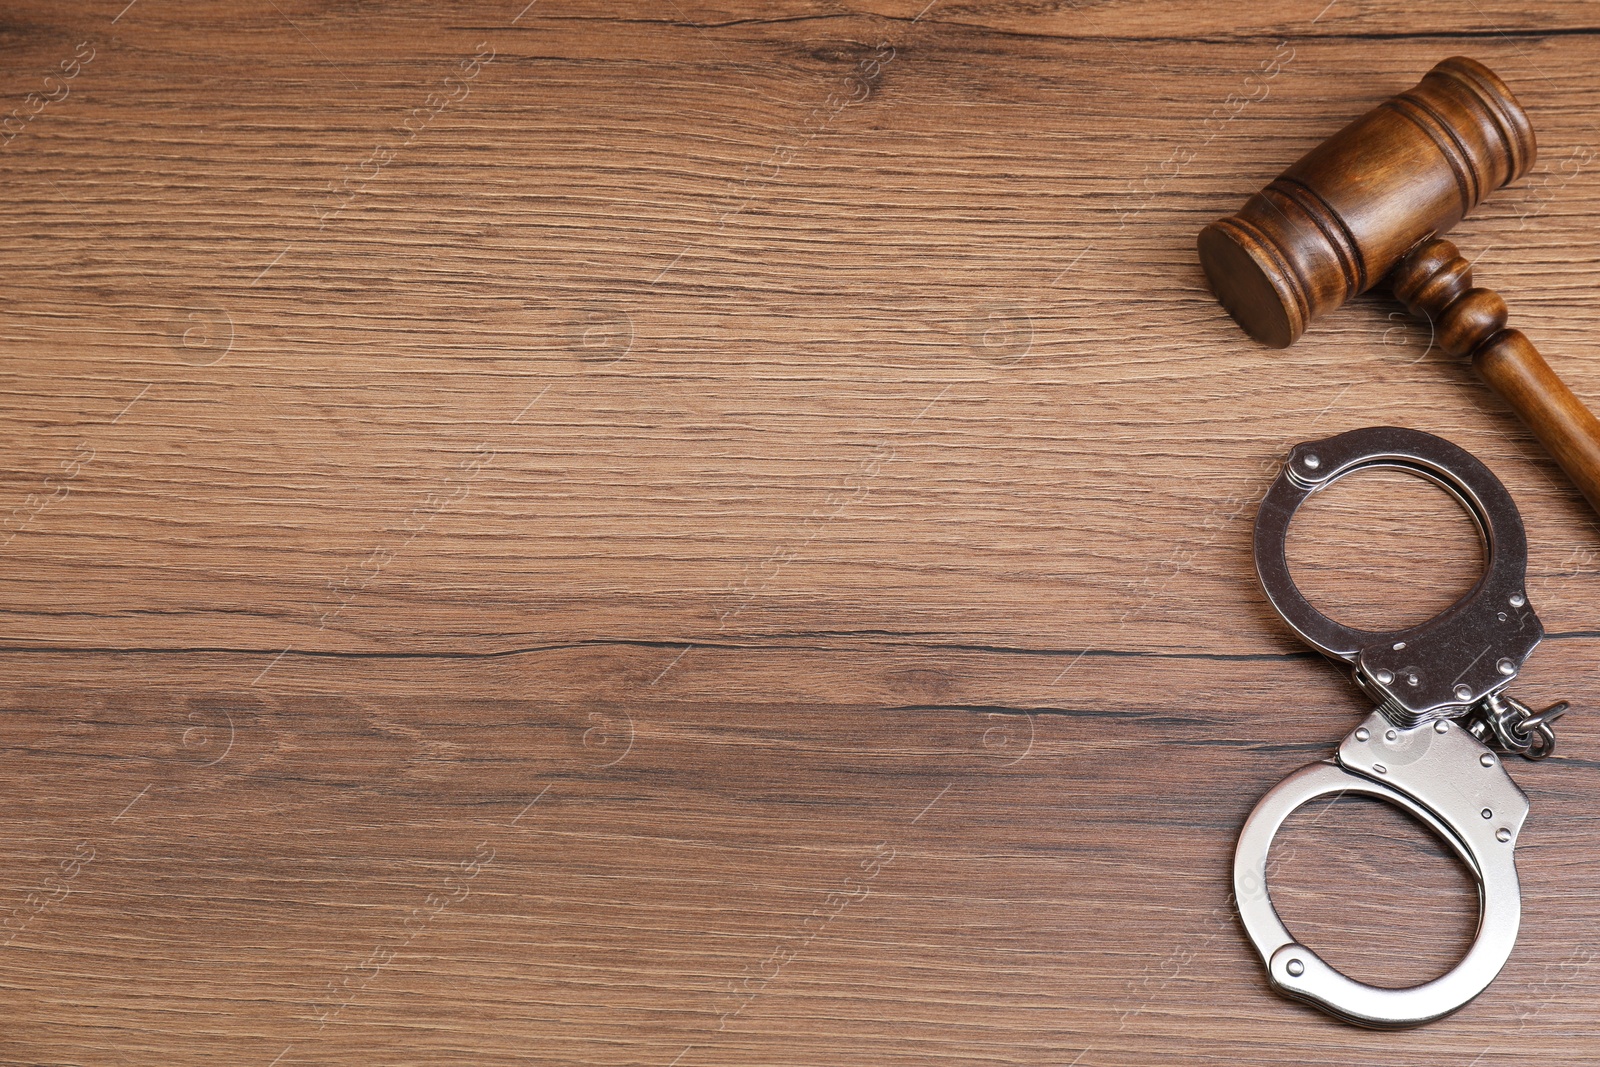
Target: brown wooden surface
731 544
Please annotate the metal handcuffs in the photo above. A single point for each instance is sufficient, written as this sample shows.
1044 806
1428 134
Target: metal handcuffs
1440 691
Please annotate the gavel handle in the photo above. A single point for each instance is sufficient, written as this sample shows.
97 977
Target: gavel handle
1434 280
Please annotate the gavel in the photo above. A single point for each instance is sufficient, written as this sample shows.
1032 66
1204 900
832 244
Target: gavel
1371 202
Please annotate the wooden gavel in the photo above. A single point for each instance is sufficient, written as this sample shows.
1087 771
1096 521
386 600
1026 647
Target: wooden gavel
1370 202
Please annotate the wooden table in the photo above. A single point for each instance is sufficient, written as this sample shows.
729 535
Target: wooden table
691 534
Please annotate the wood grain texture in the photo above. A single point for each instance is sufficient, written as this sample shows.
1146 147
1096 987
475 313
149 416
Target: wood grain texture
719 534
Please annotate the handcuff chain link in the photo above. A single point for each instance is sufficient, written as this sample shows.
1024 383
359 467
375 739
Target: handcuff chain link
1503 722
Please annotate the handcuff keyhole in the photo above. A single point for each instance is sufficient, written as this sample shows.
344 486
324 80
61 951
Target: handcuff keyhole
1383 550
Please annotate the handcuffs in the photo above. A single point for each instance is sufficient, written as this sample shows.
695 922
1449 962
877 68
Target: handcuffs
1433 745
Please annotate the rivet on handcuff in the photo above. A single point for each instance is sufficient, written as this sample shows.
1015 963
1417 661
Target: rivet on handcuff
1432 747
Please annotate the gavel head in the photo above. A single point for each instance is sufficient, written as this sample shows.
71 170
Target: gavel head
1337 221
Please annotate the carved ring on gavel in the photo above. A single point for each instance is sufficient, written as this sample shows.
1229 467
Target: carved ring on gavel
1368 204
